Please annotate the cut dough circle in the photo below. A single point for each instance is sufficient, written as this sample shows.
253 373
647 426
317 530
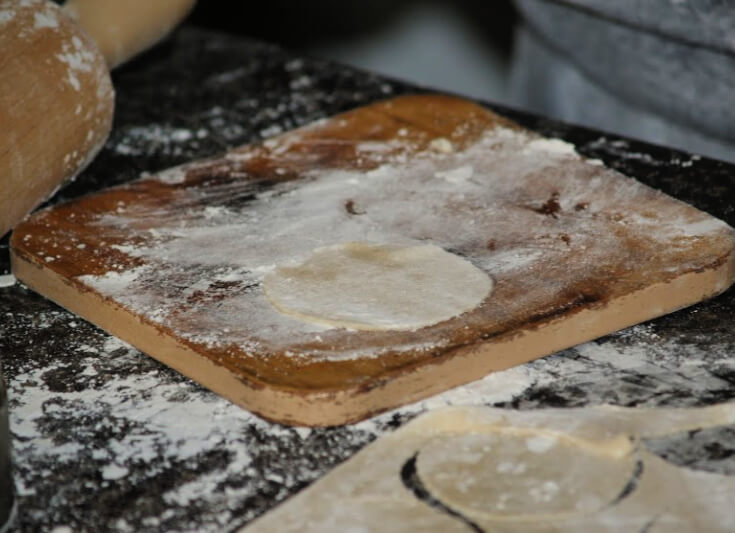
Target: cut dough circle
367 286
517 477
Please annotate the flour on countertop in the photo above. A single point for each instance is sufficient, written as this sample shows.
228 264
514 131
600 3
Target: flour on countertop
155 138
620 148
138 421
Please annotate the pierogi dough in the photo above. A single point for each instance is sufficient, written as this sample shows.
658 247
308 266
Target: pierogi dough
507 475
368 286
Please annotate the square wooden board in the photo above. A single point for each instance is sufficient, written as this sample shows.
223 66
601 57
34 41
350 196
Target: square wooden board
173 263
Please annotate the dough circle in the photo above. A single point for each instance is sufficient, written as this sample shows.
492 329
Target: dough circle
367 286
536 476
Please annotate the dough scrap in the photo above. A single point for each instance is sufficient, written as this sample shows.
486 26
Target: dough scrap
368 286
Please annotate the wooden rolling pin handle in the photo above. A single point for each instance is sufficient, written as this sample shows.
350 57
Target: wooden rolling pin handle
124 29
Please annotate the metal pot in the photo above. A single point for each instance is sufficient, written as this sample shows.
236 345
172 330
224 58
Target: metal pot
6 479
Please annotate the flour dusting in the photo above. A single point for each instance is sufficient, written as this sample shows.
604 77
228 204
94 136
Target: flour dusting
45 19
214 244
6 15
156 138
552 146
137 422
540 443
78 59
456 175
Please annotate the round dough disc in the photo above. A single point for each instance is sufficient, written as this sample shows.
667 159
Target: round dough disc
532 477
377 287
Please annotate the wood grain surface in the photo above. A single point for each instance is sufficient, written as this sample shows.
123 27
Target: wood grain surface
56 104
172 263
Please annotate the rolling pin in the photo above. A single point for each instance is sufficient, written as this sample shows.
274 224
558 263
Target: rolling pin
56 96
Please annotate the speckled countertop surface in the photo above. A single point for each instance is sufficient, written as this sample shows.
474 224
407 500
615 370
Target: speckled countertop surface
106 438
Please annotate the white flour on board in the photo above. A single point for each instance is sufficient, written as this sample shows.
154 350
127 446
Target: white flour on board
6 15
45 20
450 199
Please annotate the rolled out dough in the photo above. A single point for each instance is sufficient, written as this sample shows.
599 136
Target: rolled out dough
505 471
368 286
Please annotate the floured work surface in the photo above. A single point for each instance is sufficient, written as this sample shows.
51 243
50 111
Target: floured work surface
173 263
482 469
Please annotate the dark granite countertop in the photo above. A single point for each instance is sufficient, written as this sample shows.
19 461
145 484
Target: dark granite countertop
106 438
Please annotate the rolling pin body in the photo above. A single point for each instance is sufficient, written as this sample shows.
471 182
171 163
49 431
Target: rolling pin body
56 97
56 104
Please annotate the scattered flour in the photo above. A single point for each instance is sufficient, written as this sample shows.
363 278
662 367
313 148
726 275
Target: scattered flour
544 492
154 425
441 145
155 138
115 281
6 15
540 443
551 146
114 472
172 176
620 148
45 19
161 429
456 175
234 231
78 59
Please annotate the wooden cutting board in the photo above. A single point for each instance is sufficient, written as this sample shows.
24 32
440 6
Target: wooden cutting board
173 263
